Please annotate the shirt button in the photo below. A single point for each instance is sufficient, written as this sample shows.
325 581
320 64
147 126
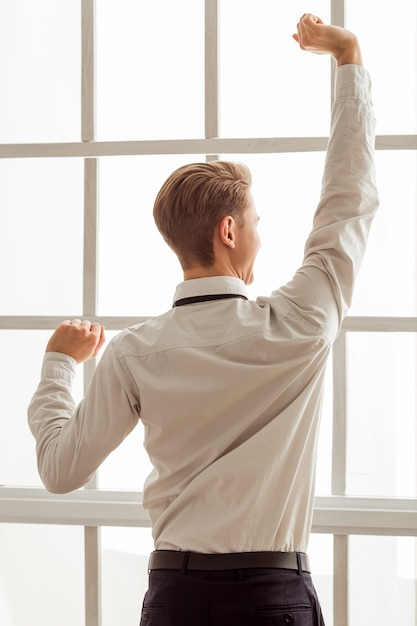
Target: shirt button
289 618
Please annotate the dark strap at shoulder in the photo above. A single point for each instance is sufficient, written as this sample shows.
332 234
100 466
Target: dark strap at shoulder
206 298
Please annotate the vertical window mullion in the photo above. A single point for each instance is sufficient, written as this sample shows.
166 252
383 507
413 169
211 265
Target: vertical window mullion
90 263
415 354
337 13
92 573
341 580
339 454
339 444
211 61
92 548
88 71
340 543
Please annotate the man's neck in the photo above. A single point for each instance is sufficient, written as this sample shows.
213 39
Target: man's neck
205 272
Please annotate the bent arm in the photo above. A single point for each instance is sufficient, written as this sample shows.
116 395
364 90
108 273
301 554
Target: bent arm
71 442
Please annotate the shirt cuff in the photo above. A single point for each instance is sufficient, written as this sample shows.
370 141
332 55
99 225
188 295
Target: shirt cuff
352 80
59 366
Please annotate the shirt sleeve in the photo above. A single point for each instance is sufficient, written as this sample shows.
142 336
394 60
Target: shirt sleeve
322 288
72 441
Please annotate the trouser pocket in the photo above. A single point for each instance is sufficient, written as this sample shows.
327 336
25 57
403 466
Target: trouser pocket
279 615
152 614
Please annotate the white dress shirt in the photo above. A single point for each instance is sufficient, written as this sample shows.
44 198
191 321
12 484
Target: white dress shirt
229 391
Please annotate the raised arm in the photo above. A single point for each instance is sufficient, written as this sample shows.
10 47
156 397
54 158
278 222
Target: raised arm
321 290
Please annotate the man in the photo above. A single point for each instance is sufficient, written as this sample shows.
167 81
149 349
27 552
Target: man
229 390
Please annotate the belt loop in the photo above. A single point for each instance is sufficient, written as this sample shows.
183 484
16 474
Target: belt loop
299 563
185 563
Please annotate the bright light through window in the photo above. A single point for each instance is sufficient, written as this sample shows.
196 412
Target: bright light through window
150 86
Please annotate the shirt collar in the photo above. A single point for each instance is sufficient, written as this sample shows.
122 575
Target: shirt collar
210 286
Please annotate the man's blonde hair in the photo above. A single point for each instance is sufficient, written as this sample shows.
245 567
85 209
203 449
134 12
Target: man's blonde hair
193 200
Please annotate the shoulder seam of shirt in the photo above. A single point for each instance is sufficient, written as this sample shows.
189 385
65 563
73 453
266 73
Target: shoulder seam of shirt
317 330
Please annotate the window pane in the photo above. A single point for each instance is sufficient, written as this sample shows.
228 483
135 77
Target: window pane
269 87
324 450
286 190
382 580
150 69
320 552
128 466
21 354
41 575
40 71
138 271
41 237
382 414
126 551
387 282
393 67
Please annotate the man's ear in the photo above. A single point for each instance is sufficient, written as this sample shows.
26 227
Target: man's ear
227 231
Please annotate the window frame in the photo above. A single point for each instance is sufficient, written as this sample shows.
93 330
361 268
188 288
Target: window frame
92 508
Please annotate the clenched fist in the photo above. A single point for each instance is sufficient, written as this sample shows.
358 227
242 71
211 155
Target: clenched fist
315 36
81 340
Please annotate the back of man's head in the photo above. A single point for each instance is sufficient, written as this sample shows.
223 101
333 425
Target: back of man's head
193 200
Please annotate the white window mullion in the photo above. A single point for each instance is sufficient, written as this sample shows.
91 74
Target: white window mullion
90 265
92 547
88 71
339 454
214 145
341 580
340 542
339 442
92 572
337 18
211 71
415 360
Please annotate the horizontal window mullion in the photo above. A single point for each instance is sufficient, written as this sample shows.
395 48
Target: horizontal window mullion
351 324
332 514
377 324
245 145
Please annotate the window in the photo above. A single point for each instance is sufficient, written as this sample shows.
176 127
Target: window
102 100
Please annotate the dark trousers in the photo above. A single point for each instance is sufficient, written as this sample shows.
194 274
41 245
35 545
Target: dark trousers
249 597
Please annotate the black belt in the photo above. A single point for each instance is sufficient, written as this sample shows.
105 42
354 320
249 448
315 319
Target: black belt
175 559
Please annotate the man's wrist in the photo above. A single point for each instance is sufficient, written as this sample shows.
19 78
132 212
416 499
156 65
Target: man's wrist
351 55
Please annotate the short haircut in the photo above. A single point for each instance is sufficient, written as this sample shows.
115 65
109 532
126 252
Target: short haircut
193 200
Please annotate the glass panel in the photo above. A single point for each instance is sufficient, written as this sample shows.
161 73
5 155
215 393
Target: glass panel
137 271
150 69
269 87
387 282
382 414
324 451
286 207
41 575
41 236
382 580
320 552
40 71
131 242
128 466
21 354
124 558
132 248
393 67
